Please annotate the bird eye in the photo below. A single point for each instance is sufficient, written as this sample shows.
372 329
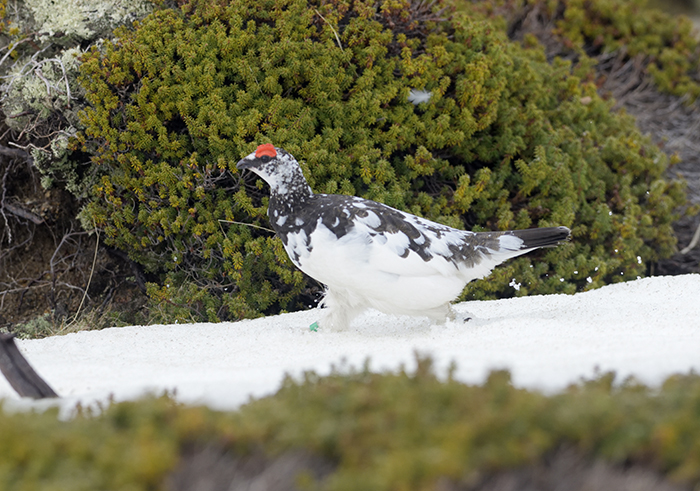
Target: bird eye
265 159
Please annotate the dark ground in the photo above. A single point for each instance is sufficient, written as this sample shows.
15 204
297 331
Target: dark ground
46 261
211 468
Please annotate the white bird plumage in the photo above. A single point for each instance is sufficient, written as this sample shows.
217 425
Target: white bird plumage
371 255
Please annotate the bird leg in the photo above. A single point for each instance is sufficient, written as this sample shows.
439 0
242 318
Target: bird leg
341 309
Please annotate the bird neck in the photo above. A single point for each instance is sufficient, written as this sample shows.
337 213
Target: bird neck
285 201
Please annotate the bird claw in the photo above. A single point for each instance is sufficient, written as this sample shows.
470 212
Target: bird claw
455 316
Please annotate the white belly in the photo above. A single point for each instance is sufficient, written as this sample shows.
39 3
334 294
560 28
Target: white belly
351 266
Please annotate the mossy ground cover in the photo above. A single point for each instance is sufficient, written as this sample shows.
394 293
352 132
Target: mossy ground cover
378 431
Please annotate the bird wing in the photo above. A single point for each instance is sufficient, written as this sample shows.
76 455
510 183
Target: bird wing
406 245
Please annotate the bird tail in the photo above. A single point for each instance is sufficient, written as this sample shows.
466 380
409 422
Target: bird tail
486 250
534 238
516 242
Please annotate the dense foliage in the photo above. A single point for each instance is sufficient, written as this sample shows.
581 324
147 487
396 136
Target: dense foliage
379 431
507 140
664 45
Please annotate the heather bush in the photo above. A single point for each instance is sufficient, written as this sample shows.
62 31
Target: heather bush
507 140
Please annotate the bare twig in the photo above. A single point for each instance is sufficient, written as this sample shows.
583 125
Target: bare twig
14 152
337 38
92 271
247 225
2 204
693 242
11 48
19 115
22 213
65 79
40 74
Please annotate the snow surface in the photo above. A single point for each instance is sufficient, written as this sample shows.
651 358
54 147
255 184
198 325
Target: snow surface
649 328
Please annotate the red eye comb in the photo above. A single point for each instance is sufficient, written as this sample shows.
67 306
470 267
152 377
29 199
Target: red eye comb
266 149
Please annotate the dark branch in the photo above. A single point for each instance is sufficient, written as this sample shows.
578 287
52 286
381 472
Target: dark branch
16 369
22 213
14 152
139 277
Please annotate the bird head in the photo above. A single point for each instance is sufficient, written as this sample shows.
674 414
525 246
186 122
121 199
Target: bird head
277 168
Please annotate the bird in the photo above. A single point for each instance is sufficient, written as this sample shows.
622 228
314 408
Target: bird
370 255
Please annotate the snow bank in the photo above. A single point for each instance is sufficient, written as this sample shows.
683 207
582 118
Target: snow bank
649 328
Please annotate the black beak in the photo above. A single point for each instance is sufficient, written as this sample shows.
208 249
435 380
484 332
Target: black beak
244 164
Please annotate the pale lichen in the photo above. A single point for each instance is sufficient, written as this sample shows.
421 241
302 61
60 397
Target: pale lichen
84 19
37 87
40 96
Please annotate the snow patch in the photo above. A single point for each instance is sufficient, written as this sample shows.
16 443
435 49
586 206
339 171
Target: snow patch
647 328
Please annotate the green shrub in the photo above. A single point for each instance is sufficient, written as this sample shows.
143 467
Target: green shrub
380 431
668 43
506 141
664 45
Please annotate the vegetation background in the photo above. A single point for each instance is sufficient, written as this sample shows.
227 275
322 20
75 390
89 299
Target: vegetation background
117 195
120 203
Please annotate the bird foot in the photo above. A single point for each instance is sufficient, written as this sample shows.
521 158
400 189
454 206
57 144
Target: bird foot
330 322
454 316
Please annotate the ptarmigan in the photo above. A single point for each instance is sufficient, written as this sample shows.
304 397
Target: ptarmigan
371 255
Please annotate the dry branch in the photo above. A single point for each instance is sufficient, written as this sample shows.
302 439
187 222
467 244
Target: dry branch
22 213
14 153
